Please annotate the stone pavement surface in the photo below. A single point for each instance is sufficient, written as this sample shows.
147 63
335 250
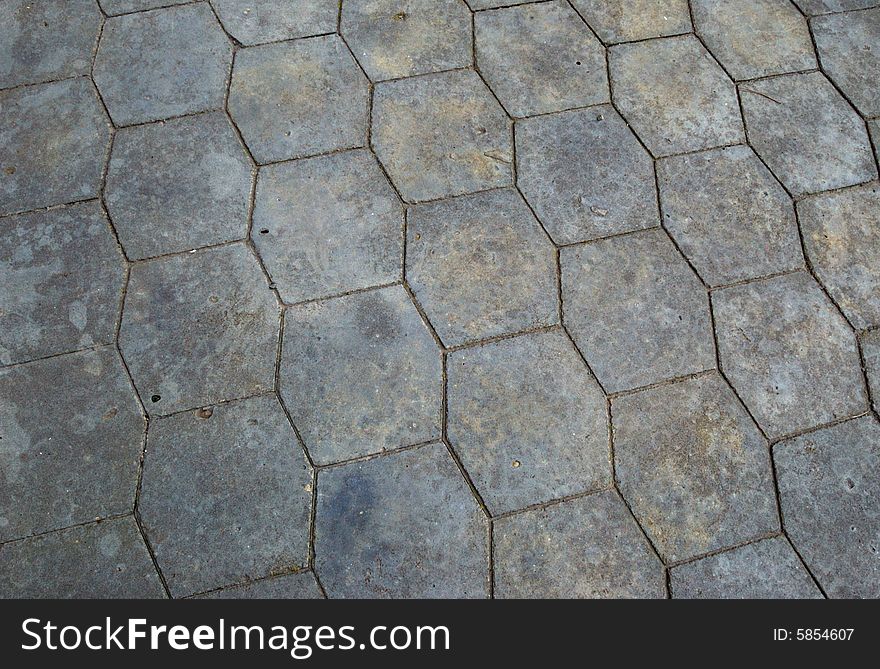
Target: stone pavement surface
440 298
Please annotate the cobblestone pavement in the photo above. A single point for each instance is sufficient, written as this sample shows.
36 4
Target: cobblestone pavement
435 298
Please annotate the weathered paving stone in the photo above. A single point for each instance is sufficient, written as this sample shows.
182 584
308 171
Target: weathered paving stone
755 38
842 238
393 39
636 310
106 560
729 215
540 58
789 353
42 41
72 438
61 278
114 7
226 495
828 491
401 526
490 4
299 98
360 374
768 569
328 225
807 133
585 174
294 586
848 48
481 266
874 127
675 95
630 20
814 7
54 139
274 20
199 328
440 135
162 63
178 185
871 353
528 421
583 548
693 467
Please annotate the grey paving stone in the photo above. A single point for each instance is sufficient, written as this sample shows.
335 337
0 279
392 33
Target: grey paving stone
393 39
178 185
848 48
636 310
42 41
693 467
401 526
874 127
360 374
729 215
675 95
481 266
272 20
199 328
528 421
72 439
297 99
828 491
629 20
871 353
842 238
477 5
61 278
768 569
583 548
585 174
328 225
440 135
755 38
540 58
105 560
162 63
807 133
55 139
226 495
814 7
114 7
293 586
788 352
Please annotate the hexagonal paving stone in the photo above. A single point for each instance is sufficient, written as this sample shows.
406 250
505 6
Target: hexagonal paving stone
162 63
540 58
694 467
636 310
55 139
481 266
178 185
274 20
328 225
42 41
114 7
788 352
848 48
199 328
234 503
401 526
675 95
828 491
440 135
630 20
871 352
585 174
72 439
61 278
768 569
105 560
814 7
587 548
807 133
394 39
293 586
360 374
842 237
297 99
755 38
729 215
528 421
